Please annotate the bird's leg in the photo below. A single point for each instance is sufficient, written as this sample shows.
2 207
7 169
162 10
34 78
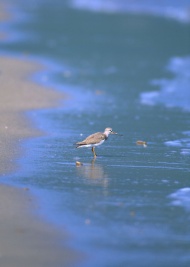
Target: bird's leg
93 150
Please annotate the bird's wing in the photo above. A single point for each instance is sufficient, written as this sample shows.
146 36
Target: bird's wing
92 139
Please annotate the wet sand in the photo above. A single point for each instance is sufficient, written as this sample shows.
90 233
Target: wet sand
18 95
26 240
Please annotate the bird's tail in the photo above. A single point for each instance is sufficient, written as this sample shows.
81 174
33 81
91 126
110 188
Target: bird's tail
79 144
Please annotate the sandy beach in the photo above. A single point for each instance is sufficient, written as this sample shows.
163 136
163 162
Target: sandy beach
17 95
26 239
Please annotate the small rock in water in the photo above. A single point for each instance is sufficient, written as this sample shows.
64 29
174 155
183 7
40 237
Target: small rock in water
26 188
87 221
78 163
141 143
99 92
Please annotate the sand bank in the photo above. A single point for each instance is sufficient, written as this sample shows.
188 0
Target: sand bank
17 95
26 240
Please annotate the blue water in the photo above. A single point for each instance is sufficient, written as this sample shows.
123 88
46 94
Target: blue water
129 71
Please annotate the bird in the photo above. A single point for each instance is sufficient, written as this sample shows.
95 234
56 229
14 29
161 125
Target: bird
95 139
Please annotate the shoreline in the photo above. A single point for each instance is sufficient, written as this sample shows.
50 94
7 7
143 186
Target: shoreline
27 240
18 95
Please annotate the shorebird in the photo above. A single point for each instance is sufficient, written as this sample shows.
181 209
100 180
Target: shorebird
95 139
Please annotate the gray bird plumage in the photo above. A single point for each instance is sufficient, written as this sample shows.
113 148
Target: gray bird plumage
95 139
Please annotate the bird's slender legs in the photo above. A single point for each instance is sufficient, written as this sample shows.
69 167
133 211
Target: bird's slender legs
93 151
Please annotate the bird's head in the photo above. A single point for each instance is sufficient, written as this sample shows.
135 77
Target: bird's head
108 131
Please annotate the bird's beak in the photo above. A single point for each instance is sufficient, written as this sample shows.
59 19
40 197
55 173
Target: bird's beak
116 133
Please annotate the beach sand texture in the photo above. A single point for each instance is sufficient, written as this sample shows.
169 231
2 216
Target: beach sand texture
17 95
26 240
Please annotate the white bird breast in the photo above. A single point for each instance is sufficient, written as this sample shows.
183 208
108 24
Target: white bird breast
92 145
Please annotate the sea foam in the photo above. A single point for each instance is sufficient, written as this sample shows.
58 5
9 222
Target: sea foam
173 92
178 10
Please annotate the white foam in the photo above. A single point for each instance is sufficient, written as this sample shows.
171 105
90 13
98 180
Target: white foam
185 151
179 10
183 143
181 198
175 143
173 92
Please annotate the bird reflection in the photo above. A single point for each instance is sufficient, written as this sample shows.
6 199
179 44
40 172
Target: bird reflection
94 172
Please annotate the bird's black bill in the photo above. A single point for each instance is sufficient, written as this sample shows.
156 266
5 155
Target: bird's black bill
116 133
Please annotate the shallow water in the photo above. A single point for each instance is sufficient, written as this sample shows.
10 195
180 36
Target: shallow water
130 206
